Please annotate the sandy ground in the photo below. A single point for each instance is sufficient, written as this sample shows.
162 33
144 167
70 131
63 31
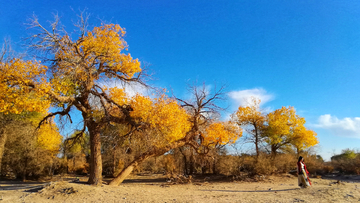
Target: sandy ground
155 189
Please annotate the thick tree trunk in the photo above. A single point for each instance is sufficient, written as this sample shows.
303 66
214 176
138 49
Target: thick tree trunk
74 163
203 169
186 171
273 152
67 164
95 157
214 167
154 152
24 170
185 162
124 173
298 152
192 162
114 162
256 142
3 138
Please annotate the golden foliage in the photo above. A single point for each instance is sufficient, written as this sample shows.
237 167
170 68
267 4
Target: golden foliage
163 114
250 115
96 53
118 95
29 86
17 79
221 133
305 138
285 127
49 138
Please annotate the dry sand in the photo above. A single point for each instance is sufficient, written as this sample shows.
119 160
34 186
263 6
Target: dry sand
155 189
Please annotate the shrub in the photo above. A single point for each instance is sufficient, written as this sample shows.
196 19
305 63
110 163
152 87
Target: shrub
285 163
347 166
228 165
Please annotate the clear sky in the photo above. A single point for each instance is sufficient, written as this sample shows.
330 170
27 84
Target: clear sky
304 54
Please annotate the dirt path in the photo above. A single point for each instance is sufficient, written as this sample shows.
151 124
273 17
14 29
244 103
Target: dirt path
273 189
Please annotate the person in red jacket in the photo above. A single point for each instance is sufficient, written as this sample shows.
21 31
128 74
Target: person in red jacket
303 174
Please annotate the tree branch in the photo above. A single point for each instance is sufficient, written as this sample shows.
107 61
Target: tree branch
62 113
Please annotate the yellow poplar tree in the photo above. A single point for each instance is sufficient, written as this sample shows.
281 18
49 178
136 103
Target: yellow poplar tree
251 118
304 138
221 133
169 125
72 78
18 101
164 123
285 128
49 138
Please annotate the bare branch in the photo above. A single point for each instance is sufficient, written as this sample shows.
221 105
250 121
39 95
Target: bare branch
6 50
62 113
76 137
82 23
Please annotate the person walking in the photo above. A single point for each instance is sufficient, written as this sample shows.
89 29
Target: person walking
303 174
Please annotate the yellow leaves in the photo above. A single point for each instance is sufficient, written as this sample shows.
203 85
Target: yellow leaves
17 81
304 138
170 119
279 123
105 40
250 114
281 127
25 85
49 138
165 119
142 107
63 86
285 127
221 133
164 115
118 95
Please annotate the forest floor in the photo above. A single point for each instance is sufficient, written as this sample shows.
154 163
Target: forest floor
155 188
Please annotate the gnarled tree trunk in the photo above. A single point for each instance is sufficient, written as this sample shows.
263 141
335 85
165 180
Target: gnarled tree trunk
95 157
3 138
138 160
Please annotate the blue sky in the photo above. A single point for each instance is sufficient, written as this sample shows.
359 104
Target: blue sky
304 54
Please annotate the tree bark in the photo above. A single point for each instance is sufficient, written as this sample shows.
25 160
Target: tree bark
124 173
192 162
3 138
95 157
214 167
24 169
185 162
114 162
153 152
256 142
273 151
298 152
186 171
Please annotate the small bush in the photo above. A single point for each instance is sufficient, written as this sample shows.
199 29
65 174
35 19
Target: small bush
263 165
347 166
285 163
228 165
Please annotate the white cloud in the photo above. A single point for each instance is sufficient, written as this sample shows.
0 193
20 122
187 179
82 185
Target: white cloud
243 97
135 88
346 127
131 89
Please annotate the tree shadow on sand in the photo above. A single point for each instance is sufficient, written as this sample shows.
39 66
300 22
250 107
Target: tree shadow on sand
29 187
342 178
252 190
